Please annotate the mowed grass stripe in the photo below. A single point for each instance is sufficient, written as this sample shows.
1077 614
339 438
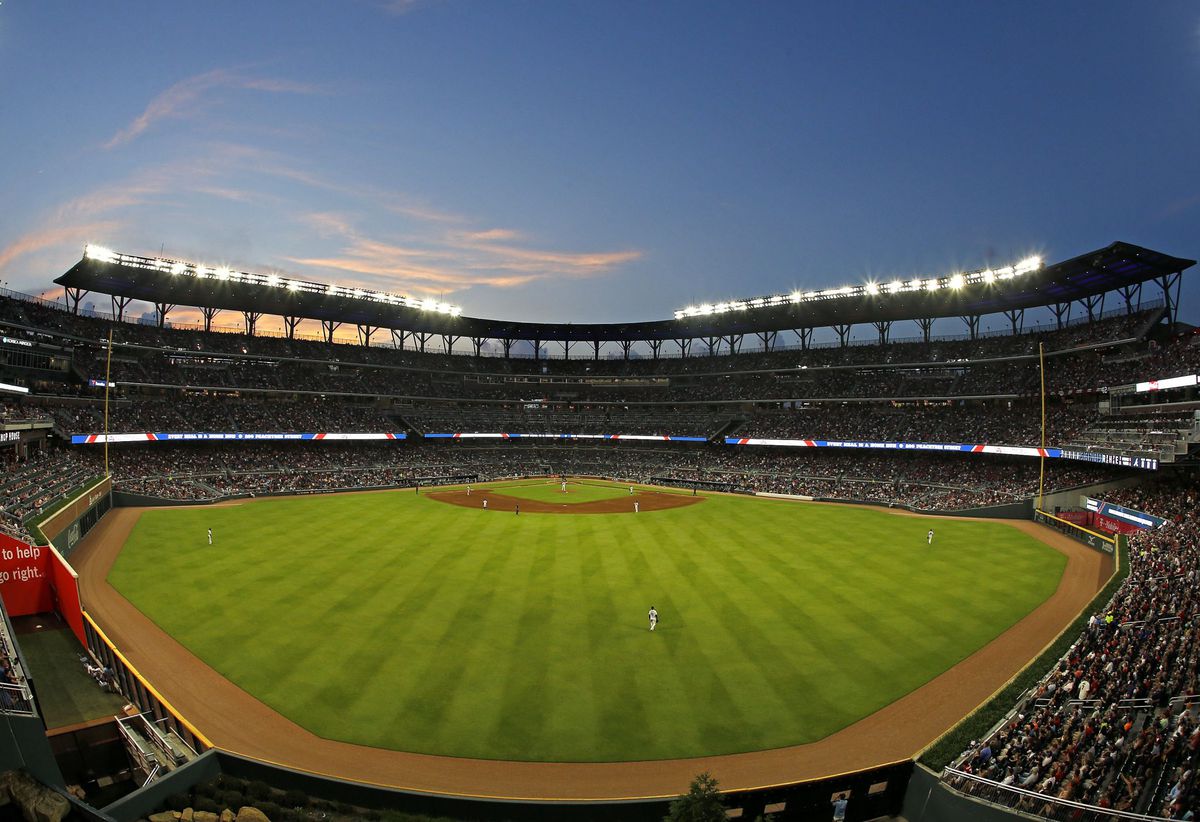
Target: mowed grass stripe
397 621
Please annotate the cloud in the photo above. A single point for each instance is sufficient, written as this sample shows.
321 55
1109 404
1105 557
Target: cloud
41 239
451 261
181 99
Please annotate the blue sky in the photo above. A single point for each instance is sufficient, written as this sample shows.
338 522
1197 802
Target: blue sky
583 161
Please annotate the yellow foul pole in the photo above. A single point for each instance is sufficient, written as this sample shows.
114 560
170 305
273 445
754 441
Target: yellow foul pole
1042 468
107 381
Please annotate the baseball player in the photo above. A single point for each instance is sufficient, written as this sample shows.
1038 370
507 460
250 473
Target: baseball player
653 617
636 507
210 536
929 536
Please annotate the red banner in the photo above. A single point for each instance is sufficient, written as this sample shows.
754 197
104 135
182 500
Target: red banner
24 577
64 586
1115 525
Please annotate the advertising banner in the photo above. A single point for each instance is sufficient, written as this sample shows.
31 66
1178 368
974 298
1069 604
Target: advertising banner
1125 517
205 436
23 577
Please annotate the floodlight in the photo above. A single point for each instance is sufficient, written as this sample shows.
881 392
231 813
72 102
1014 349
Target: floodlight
958 281
99 253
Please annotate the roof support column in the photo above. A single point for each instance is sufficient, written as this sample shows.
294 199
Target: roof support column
74 296
805 335
507 344
1091 304
566 347
161 310
422 338
655 347
1166 282
448 341
596 349
365 332
399 337
972 321
767 338
250 319
119 306
477 344
685 346
537 349
209 315
1131 293
289 326
328 327
884 328
926 325
1062 313
711 343
735 343
1016 318
625 346
843 332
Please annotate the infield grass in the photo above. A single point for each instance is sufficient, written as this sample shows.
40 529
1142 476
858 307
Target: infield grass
397 621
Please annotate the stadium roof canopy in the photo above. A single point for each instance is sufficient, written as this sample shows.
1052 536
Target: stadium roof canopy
1120 267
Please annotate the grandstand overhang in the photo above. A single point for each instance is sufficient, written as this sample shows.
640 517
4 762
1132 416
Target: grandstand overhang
1117 267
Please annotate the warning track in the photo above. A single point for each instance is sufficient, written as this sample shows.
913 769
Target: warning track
238 722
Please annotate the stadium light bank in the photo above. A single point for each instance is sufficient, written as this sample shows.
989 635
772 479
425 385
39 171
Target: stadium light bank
955 281
224 273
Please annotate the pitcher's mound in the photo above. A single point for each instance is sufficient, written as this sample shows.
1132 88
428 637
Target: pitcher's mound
647 501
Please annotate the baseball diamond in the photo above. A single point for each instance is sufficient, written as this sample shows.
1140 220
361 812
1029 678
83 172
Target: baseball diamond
485 636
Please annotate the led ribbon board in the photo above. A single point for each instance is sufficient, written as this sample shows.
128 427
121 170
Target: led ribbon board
1129 516
1009 450
198 436
509 436
1170 382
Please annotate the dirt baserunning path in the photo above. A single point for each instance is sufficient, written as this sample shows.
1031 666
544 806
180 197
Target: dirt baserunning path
238 722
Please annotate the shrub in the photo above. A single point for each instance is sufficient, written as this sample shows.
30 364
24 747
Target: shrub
295 799
204 803
271 809
258 791
178 801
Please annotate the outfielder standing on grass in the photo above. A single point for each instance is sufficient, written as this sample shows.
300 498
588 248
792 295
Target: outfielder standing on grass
653 617
210 536
930 536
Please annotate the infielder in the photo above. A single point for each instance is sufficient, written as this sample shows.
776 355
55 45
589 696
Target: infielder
564 486
653 617
485 503
636 507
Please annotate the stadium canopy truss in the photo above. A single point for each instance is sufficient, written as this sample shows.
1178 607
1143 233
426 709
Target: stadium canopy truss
1087 280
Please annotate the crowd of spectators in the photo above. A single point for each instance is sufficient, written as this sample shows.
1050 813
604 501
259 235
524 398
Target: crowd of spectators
29 486
1114 723
14 689
924 481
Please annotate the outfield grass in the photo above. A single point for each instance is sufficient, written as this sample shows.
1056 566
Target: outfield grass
396 621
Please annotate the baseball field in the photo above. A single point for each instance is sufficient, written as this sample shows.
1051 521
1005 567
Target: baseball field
425 623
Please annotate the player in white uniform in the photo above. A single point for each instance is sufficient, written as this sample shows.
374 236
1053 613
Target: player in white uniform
564 486
485 503
631 490
930 536
653 617
636 506
210 536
